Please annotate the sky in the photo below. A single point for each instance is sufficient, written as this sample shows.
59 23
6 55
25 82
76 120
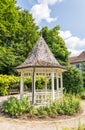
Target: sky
68 14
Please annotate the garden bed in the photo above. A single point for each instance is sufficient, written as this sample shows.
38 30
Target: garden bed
26 123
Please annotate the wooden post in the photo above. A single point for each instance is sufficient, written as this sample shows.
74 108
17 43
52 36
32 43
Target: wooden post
53 94
21 85
45 91
45 86
57 83
61 82
33 86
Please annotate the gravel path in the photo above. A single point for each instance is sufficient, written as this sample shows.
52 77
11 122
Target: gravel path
16 124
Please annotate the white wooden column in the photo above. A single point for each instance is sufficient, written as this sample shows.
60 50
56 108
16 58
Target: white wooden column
45 86
21 85
57 83
45 91
61 82
33 87
53 92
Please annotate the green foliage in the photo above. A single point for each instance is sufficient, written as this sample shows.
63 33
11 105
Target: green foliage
69 105
16 107
83 79
42 112
4 85
40 82
82 95
8 82
73 81
56 44
80 127
32 111
28 83
18 34
7 60
52 110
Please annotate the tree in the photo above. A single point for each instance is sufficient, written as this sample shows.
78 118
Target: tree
7 60
8 21
56 44
18 33
26 35
73 80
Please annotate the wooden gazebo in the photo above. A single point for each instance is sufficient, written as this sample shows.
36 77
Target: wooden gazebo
41 61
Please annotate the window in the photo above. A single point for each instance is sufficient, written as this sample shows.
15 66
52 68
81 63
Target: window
77 66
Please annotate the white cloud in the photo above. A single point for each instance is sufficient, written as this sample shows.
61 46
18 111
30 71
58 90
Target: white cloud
49 2
65 34
74 44
41 11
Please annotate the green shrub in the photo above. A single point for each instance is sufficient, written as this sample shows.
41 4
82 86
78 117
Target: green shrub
69 105
28 83
41 112
32 111
73 80
4 85
82 95
40 82
15 107
14 82
51 110
83 79
8 82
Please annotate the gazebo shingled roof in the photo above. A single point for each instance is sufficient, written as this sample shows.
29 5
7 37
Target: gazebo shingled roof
41 61
41 56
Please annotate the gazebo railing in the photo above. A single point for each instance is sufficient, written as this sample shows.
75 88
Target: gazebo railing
44 97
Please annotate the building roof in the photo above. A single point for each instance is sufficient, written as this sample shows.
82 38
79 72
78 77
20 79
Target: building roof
41 56
77 59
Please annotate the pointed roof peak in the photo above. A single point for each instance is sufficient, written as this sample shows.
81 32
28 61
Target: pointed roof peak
41 36
41 39
41 56
82 54
77 59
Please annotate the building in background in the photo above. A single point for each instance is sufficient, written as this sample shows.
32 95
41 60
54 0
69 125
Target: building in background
78 61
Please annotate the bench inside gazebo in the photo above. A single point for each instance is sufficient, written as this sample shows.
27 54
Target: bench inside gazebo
41 61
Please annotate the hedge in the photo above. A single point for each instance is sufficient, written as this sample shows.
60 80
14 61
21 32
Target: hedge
8 83
73 80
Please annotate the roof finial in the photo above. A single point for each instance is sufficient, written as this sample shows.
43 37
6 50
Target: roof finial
41 34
